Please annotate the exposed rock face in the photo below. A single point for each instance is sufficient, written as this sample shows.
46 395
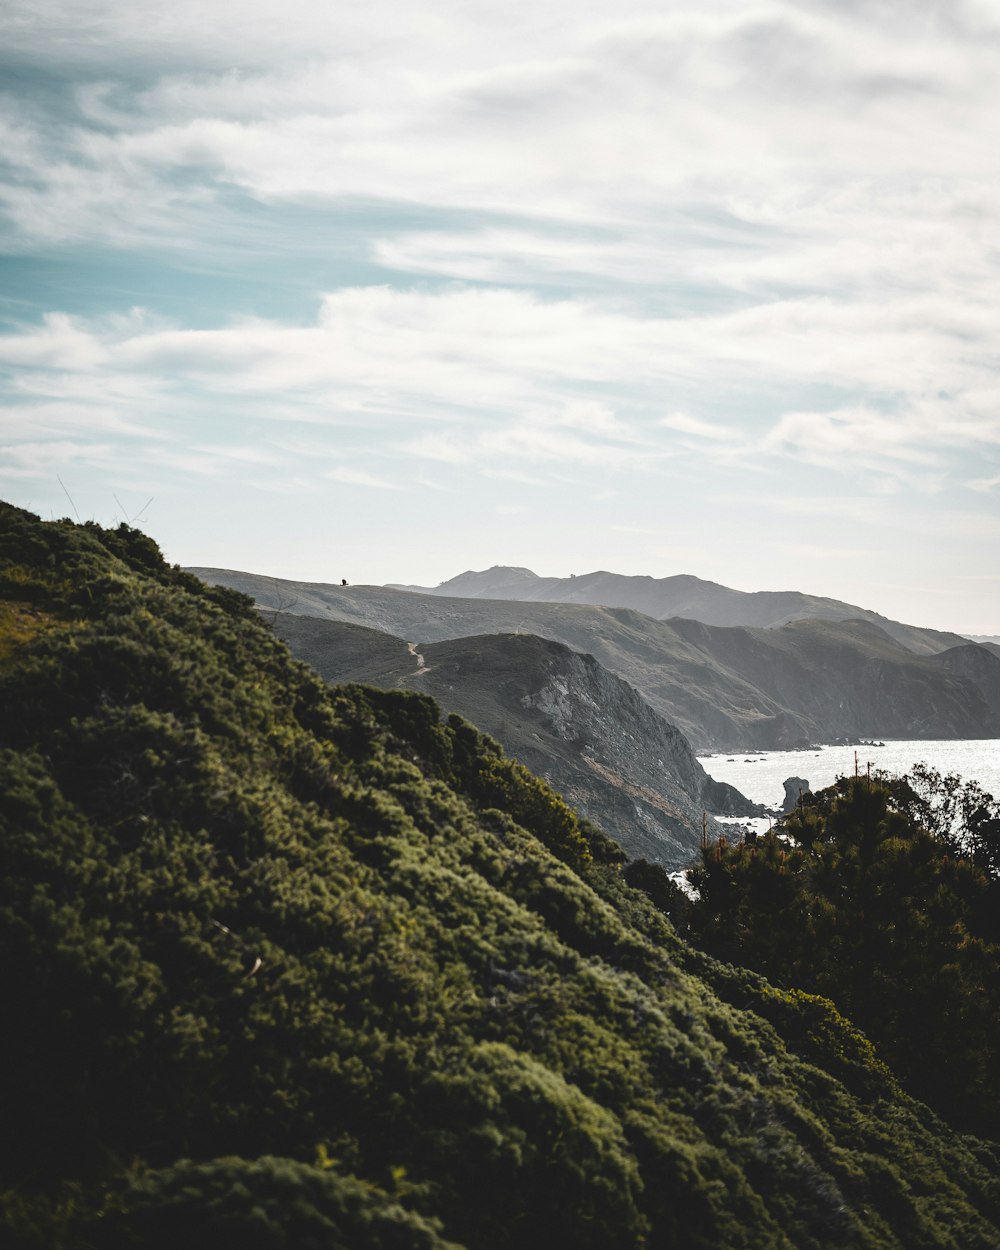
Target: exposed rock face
561 713
795 788
722 799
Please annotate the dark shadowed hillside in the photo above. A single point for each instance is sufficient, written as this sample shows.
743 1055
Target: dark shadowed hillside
850 674
293 966
978 665
570 721
724 688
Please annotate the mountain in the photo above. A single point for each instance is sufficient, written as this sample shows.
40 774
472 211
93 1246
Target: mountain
587 732
292 966
725 688
683 596
845 675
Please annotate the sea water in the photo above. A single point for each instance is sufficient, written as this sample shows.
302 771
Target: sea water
760 774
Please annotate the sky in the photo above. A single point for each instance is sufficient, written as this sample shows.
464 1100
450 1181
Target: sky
391 291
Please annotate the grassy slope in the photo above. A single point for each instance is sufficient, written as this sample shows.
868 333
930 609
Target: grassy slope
292 966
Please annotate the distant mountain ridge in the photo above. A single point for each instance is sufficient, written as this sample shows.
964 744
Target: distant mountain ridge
682 595
723 687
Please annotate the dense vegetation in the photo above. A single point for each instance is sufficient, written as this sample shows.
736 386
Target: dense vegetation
286 966
887 901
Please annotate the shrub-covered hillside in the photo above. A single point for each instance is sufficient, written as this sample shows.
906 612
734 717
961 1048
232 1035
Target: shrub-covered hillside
879 906
286 966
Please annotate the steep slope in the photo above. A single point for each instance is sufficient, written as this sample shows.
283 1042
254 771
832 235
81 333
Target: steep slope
683 596
292 966
588 733
724 688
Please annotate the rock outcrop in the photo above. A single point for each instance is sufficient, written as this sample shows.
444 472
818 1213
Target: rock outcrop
796 788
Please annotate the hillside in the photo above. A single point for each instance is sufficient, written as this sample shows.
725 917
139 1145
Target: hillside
848 674
292 966
887 901
684 596
560 713
724 688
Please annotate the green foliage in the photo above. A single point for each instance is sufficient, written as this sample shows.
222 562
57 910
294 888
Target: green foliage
496 781
815 1028
894 922
290 966
19 623
260 1204
664 893
960 812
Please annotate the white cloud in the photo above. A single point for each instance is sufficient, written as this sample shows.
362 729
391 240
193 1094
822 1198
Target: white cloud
358 477
466 374
66 417
513 475
685 424
522 256
539 442
773 222
447 448
768 112
856 436
60 341
46 458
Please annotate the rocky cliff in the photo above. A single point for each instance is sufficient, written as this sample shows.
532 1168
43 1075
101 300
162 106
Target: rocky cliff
586 731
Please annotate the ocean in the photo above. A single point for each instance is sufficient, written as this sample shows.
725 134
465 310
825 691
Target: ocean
760 774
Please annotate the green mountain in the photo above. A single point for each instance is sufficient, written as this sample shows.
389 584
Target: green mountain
725 688
292 966
560 713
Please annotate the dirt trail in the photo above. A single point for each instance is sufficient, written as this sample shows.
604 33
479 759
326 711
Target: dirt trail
421 666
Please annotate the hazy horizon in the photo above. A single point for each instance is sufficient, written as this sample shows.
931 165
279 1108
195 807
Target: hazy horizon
389 293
